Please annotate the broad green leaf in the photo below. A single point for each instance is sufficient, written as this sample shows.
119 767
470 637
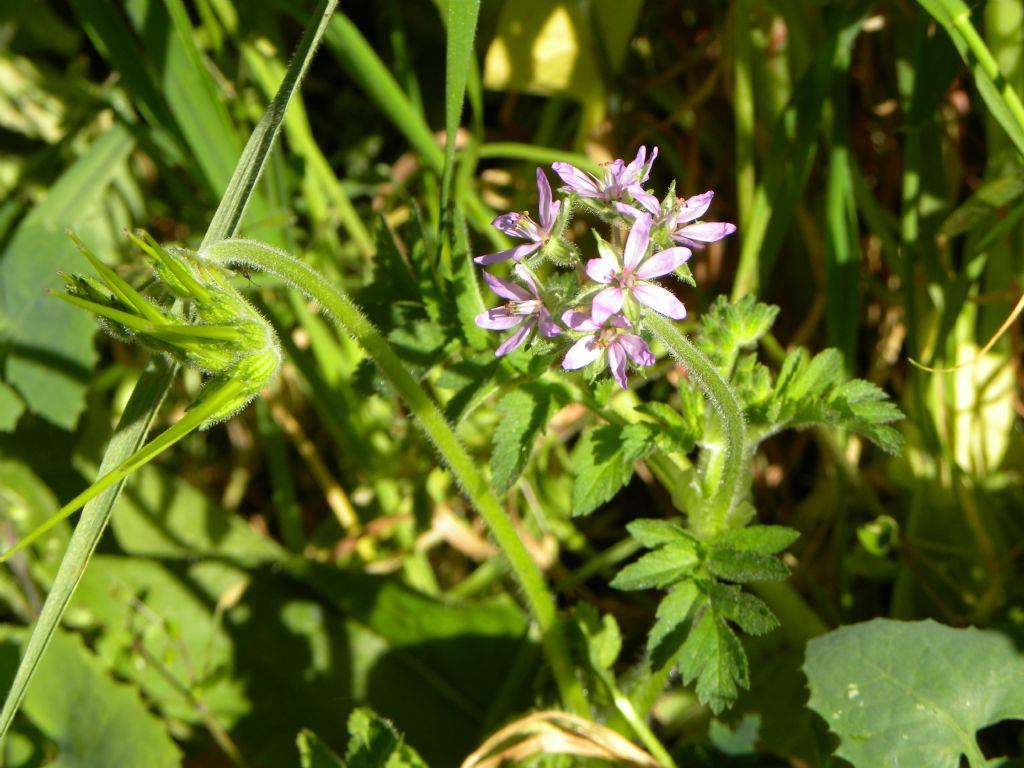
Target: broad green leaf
599 467
313 753
764 539
913 693
525 412
745 566
49 344
375 743
94 721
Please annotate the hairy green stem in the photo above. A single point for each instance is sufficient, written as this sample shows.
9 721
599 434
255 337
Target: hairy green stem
732 486
351 320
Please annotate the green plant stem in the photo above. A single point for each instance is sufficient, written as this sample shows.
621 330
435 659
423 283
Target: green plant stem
732 485
351 320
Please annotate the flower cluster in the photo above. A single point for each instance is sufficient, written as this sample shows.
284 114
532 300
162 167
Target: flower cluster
604 316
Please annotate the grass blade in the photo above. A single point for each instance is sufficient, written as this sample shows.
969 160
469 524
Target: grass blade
131 432
250 165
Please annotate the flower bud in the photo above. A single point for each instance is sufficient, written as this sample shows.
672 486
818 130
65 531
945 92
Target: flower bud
213 328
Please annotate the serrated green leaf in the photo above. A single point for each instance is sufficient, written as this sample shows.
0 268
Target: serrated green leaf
674 611
314 753
601 634
657 569
712 655
525 412
913 693
683 428
375 743
743 609
823 372
745 566
764 539
599 467
795 360
654 533
638 441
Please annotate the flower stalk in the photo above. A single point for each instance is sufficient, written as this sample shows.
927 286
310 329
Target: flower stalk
350 319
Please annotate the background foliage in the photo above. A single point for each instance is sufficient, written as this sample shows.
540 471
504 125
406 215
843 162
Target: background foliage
270 577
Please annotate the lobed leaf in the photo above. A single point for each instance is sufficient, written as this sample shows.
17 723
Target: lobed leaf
654 533
657 569
745 566
712 655
764 539
600 469
524 414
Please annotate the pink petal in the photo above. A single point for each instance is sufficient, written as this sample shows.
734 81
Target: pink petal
620 321
579 321
646 199
607 303
546 324
660 300
707 231
617 362
600 271
581 354
544 200
508 223
694 207
636 348
515 254
663 262
505 289
516 339
628 210
497 319
526 277
580 182
637 242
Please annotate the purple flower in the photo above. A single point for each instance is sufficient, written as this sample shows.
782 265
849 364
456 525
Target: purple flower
522 226
523 305
609 338
680 218
633 275
617 179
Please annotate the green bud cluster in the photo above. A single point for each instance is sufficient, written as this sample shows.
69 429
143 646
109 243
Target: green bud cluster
212 328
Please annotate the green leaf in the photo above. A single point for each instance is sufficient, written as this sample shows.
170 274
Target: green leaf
654 533
744 566
913 693
764 539
601 635
375 743
712 655
11 408
50 352
683 428
461 23
818 377
743 609
674 611
599 467
638 441
313 753
727 328
657 569
93 720
524 414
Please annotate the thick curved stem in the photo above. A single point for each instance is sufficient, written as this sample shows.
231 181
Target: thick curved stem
732 486
352 321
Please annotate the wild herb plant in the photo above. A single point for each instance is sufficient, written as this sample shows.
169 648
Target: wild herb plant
546 527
